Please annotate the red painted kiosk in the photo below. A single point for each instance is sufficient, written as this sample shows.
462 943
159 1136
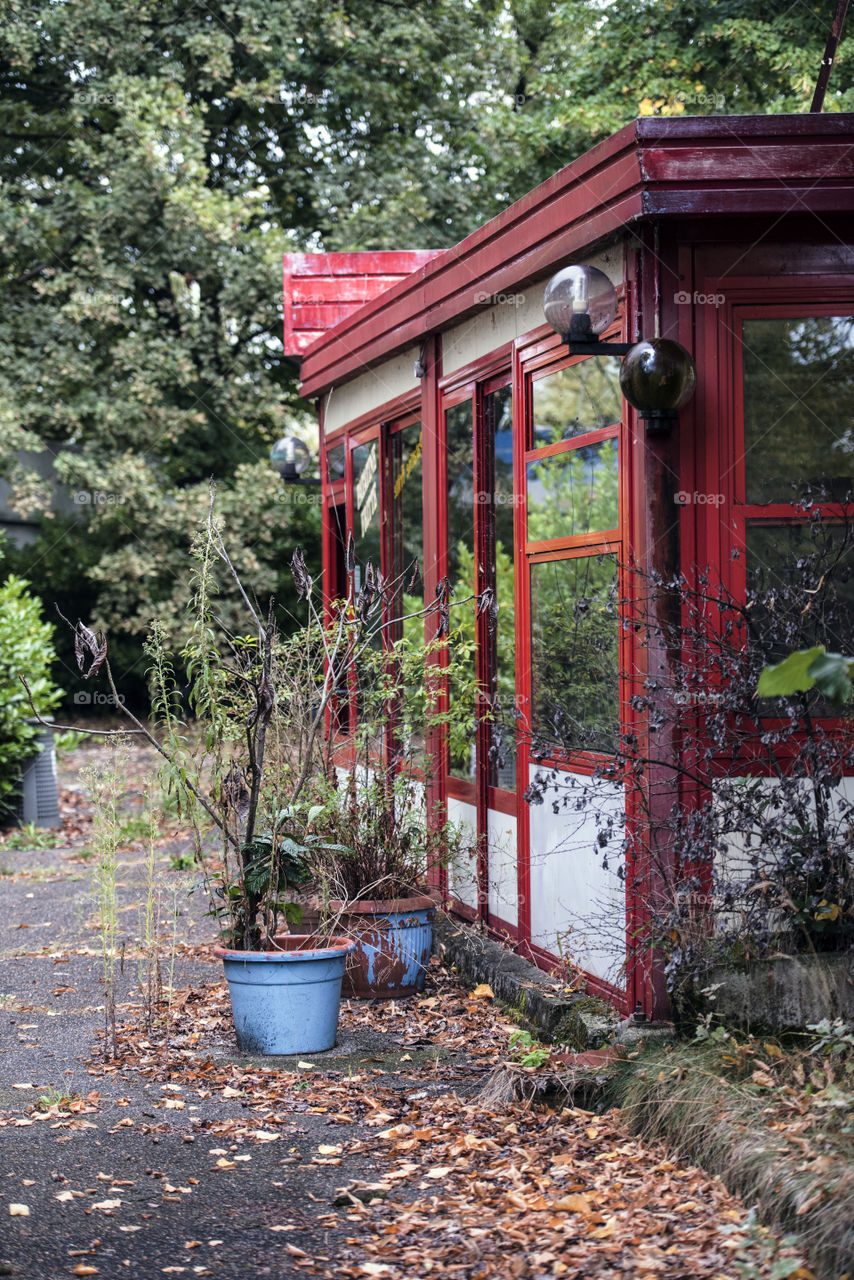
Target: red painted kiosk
455 426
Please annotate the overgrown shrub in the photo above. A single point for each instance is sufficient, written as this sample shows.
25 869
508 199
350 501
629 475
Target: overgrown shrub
740 843
26 648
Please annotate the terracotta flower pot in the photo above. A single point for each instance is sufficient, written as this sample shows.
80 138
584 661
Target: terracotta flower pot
393 942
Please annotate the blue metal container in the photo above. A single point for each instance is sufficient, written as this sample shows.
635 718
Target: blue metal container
286 1001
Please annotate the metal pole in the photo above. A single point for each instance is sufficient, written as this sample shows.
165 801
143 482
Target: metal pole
829 55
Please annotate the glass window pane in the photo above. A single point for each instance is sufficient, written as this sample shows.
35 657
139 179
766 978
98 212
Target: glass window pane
799 408
335 462
584 397
573 492
366 507
407 542
461 572
407 516
574 653
498 425
790 567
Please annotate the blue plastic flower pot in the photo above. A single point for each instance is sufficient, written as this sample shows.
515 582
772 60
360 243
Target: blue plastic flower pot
393 942
286 1001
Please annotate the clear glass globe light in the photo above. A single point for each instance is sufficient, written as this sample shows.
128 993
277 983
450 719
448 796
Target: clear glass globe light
578 291
290 457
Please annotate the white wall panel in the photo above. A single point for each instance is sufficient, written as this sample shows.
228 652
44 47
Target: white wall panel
502 888
370 390
578 910
462 872
512 314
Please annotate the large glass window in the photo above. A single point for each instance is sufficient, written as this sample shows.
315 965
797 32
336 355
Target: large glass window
574 648
499 516
336 462
814 560
462 574
799 408
573 517
406 521
407 518
573 492
573 401
797 499
366 507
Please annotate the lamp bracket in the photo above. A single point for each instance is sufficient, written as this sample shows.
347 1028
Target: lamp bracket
594 347
658 422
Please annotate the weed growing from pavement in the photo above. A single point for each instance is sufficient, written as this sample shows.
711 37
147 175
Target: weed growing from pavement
107 787
32 838
150 978
52 1097
178 894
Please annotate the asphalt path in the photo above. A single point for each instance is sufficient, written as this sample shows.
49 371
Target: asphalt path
125 1185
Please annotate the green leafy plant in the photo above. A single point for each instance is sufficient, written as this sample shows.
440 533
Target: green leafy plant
273 866
53 1097
182 861
807 669
26 648
832 1038
29 836
528 1052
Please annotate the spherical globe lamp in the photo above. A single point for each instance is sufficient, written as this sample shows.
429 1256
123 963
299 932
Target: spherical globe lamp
290 457
658 377
580 302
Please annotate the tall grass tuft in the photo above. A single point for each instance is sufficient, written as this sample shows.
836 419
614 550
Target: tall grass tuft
107 786
777 1131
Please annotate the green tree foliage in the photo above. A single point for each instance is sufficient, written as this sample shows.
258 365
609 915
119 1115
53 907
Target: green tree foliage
156 159
26 648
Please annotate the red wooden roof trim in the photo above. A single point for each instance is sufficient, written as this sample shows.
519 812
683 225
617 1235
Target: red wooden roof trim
373 334
359 263
320 290
654 166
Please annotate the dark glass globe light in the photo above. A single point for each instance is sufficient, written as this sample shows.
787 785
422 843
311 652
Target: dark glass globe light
576 292
658 377
290 457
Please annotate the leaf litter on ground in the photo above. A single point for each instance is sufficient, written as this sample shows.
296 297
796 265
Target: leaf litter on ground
458 1187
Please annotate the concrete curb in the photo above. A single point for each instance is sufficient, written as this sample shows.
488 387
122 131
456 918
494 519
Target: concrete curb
580 1021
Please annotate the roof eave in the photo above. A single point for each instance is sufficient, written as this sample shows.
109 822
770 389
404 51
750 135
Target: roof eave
654 167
